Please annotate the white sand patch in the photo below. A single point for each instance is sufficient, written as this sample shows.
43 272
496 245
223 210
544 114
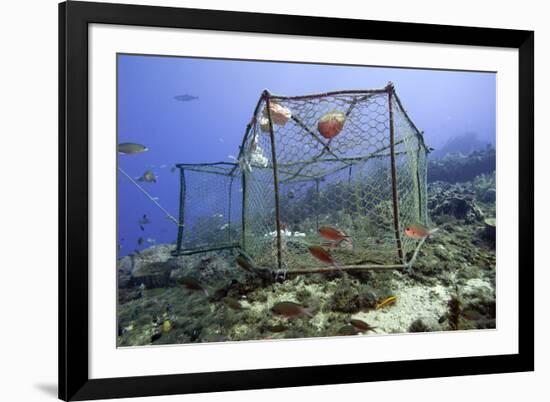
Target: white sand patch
477 285
413 302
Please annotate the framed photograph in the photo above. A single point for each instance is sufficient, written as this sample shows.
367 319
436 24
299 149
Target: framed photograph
258 200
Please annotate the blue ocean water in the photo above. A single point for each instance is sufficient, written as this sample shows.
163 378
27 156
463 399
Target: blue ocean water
443 104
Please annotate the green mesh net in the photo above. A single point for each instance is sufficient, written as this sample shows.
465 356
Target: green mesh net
210 207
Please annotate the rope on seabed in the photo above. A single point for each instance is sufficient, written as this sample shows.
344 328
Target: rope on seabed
168 214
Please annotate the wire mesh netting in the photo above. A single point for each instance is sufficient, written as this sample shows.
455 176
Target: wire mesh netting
348 160
210 207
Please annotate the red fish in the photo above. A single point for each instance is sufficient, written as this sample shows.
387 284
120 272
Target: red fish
322 255
418 231
333 234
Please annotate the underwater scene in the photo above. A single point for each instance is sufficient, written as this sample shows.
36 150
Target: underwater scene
265 200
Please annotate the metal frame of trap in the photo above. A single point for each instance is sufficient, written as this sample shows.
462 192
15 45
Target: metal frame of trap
241 245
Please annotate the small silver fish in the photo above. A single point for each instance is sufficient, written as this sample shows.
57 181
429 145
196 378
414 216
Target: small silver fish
186 98
148 177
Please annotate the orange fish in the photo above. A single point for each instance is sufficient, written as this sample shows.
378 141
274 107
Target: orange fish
331 124
418 231
333 234
322 255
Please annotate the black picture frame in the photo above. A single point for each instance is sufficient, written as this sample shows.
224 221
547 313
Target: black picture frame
74 381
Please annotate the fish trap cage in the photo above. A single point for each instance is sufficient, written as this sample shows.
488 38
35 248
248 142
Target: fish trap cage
349 160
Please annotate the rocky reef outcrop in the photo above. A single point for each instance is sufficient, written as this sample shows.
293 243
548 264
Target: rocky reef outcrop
454 201
458 167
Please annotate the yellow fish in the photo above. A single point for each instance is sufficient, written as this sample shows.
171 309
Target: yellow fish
166 326
386 302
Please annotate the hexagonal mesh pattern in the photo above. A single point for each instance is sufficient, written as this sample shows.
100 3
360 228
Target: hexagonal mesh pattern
328 160
210 207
